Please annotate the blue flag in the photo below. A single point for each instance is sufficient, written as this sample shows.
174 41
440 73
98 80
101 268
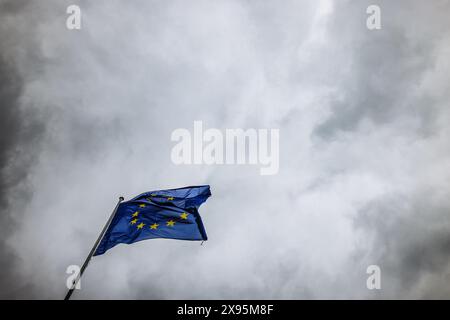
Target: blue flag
171 214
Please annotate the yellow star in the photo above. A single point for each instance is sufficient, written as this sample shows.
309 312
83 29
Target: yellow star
135 214
133 221
142 205
170 198
184 215
154 226
170 223
140 225
153 194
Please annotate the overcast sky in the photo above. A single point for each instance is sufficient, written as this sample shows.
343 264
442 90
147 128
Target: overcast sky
364 146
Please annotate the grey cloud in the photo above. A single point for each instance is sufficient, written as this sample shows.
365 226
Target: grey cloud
411 243
9 124
384 69
19 136
363 124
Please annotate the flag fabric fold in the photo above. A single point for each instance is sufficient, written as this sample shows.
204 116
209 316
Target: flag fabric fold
170 214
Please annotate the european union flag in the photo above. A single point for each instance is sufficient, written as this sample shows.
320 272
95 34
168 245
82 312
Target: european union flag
171 214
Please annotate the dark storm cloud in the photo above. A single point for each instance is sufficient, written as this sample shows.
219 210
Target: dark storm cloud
10 121
87 116
19 135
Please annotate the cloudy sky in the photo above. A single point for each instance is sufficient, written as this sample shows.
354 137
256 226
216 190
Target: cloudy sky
364 146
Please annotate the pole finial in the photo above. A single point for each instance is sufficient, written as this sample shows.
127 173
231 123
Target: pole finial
121 198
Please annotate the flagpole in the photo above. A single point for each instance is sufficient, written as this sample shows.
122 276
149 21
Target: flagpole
94 248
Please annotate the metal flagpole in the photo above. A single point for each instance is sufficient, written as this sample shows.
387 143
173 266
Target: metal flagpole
94 248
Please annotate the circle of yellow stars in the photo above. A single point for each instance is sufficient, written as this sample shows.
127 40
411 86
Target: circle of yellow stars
154 226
